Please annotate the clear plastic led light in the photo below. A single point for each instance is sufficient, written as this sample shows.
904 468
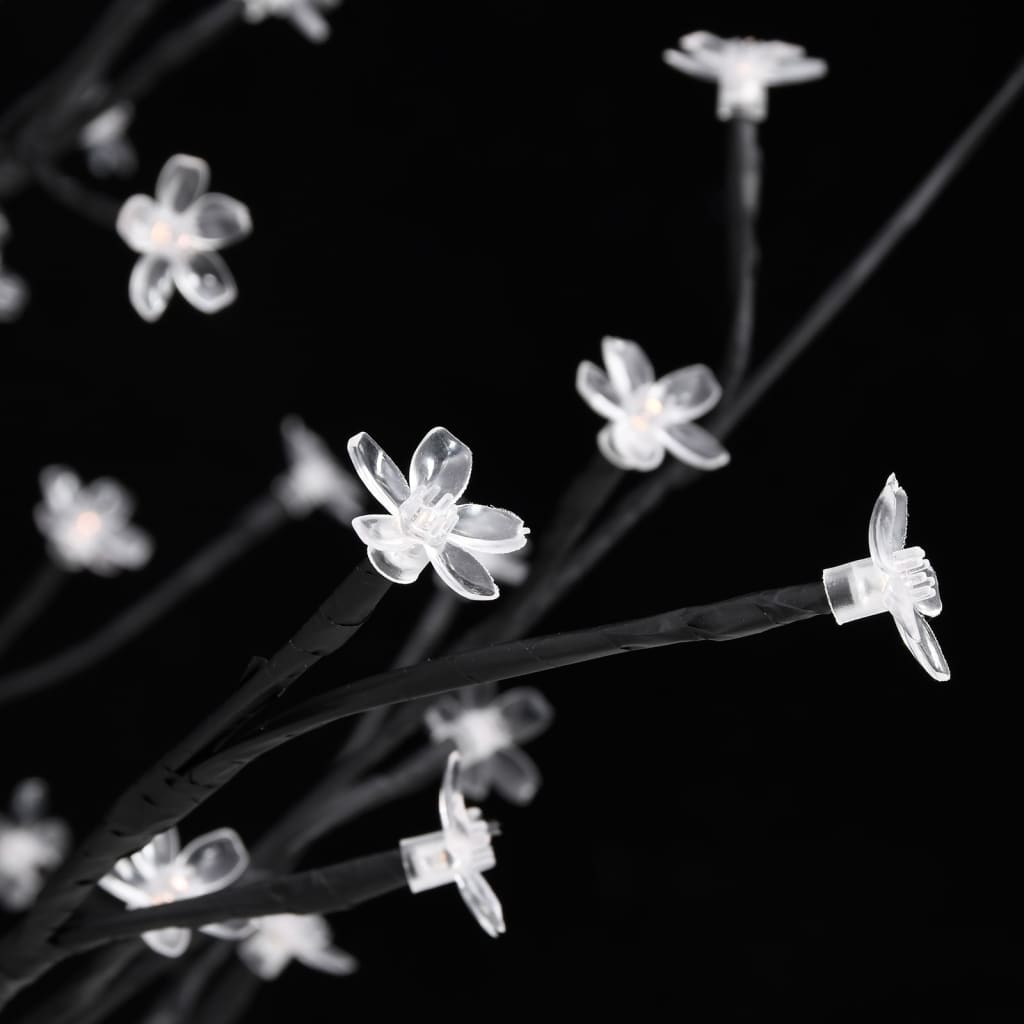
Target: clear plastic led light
459 853
305 15
314 479
280 938
87 526
424 525
744 69
31 845
649 417
104 140
177 234
489 740
162 872
895 579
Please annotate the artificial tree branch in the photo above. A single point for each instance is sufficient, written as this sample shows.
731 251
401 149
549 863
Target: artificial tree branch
36 597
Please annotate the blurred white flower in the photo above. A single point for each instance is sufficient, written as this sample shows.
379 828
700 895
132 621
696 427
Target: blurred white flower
31 845
281 938
87 525
104 140
314 478
177 234
303 14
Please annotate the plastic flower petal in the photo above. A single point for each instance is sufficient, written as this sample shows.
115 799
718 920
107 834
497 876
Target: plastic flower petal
424 524
488 740
162 872
896 579
303 14
176 235
459 853
108 151
31 845
744 69
649 417
314 479
87 526
281 938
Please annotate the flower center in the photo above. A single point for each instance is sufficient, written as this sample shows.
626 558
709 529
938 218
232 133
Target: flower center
87 524
645 409
428 516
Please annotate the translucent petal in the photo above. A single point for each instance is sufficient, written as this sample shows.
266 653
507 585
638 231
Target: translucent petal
330 960
54 838
165 846
60 486
214 860
627 365
382 478
232 931
204 279
109 499
310 22
463 573
13 296
216 220
925 649
182 181
887 530
596 390
171 942
687 394
796 71
399 566
264 957
151 286
441 459
127 548
383 532
451 803
135 222
122 890
485 528
618 446
29 800
476 779
482 902
516 777
526 711
693 445
688 65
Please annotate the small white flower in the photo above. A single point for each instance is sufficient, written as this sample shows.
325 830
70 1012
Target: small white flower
161 872
423 524
895 579
489 738
108 150
31 845
303 14
281 938
177 235
459 853
314 478
744 69
87 525
649 417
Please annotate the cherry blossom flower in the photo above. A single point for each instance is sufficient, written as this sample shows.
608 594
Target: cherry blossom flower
280 938
303 14
314 478
104 140
424 524
459 853
162 872
87 525
648 417
31 845
177 234
744 69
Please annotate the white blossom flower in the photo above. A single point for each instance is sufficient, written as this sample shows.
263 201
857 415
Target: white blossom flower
303 14
13 290
423 523
488 740
459 853
649 417
161 872
896 579
31 845
108 150
314 478
744 69
177 234
87 525
280 938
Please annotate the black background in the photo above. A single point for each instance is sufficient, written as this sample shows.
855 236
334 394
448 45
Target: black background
452 204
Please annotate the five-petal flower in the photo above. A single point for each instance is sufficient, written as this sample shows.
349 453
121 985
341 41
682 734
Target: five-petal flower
162 872
303 14
424 523
488 740
177 234
896 579
744 69
31 845
649 417
459 853
87 525
281 938
314 478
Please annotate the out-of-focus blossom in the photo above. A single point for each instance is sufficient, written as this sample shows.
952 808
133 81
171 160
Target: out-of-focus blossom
314 479
305 15
281 938
109 152
31 845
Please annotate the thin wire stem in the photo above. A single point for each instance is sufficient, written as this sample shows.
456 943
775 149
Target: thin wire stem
43 587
